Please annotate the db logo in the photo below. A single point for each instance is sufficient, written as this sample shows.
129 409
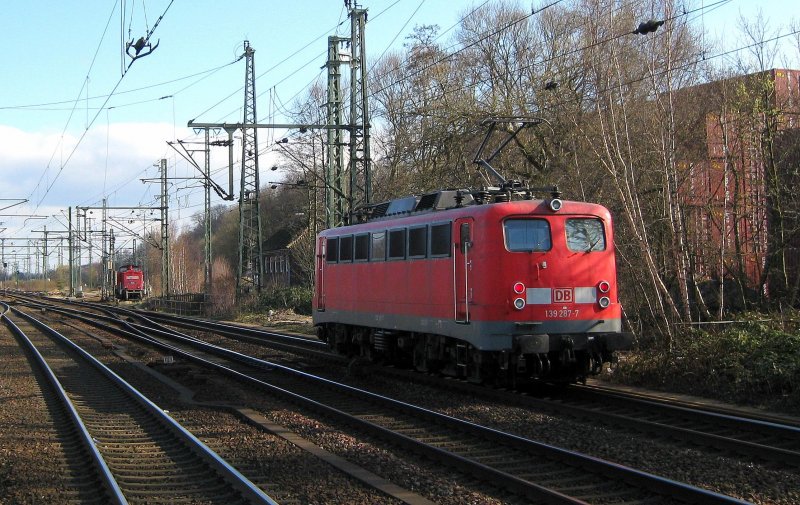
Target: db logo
563 295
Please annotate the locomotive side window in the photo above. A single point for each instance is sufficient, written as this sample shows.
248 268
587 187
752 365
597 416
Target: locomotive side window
417 242
332 250
362 247
378 246
526 235
397 244
346 248
585 235
440 240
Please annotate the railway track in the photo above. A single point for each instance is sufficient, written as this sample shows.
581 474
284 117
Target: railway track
139 453
85 483
747 435
281 341
529 469
750 436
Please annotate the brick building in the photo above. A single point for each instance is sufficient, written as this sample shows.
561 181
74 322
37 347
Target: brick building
739 156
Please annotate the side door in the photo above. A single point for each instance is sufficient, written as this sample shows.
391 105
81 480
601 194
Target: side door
462 268
319 278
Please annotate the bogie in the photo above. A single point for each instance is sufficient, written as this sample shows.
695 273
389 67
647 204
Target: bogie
437 354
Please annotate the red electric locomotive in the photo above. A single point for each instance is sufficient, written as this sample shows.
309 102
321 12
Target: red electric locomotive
129 283
492 285
449 282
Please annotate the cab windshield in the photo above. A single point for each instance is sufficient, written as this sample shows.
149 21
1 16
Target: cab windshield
527 235
585 235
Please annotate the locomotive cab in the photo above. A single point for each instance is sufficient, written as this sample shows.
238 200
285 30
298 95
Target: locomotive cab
558 277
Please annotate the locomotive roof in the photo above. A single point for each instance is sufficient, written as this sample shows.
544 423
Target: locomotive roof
431 202
453 199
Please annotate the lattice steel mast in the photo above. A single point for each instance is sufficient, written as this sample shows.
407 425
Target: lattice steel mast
207 218
340 203
360 159
250 254
334 204
165 259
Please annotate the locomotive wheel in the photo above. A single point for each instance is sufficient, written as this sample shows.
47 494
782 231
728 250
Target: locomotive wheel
504 378
424 354
511 380
421 363
341 340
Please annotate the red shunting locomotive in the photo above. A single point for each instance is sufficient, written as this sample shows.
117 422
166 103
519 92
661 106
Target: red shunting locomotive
129 283
475 285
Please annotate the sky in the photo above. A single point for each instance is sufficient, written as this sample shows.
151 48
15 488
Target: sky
64 142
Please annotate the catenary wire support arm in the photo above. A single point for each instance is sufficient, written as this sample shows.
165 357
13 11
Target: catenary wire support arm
310 171
134 233
83 237
188 156
17 201
231 128
207 185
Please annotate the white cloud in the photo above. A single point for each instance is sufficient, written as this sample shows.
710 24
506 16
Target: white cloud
30 162
109 161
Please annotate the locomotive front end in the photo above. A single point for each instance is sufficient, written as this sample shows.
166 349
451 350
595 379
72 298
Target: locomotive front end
558 277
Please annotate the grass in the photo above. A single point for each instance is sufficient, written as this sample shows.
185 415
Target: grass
755 362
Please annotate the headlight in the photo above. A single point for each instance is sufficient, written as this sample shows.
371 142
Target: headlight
555 204
519 303
604 301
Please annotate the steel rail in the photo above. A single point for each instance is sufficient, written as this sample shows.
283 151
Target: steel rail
239 482
695 414
731 419
282 341
759 417
112 488
562 405
641 480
